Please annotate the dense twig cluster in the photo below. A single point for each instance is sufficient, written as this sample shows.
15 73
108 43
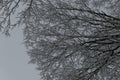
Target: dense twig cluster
73 39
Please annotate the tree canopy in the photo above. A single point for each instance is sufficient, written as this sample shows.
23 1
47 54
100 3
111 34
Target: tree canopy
68 39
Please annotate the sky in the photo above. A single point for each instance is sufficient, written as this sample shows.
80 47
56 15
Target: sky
14 59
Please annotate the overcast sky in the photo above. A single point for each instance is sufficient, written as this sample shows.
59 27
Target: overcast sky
14 59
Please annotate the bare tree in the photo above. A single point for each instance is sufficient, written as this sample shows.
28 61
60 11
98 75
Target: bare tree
71 39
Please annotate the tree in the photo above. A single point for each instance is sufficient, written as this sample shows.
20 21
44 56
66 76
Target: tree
71 39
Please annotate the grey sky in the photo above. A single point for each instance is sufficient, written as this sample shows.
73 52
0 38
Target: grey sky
14 60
